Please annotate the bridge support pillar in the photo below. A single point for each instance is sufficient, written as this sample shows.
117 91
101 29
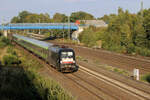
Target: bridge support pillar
5 33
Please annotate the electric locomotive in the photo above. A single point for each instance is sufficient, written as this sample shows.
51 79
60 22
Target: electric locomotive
62 58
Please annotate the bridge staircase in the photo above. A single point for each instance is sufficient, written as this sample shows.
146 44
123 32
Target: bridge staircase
76 34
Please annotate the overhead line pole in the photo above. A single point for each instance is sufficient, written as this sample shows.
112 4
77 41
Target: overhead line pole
69 27
142 10
39 28
2 25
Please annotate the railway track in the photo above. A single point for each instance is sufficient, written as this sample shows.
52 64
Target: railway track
99 92
95 89
120 60
113 59
142 95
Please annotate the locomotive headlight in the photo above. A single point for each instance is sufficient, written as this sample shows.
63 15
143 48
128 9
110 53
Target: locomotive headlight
70 53
60 61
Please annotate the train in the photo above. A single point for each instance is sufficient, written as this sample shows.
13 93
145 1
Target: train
60 57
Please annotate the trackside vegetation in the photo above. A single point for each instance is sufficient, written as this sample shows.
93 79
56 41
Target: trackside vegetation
126 33
4 41
146 78
20 79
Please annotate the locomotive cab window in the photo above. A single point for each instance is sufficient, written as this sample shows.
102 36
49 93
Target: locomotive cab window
66 54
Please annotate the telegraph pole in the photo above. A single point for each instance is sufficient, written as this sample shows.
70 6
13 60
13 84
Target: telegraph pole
142 10
68 27
39 28
2 25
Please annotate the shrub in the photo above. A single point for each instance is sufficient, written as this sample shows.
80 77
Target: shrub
10 60
131 48
91 35
116 48
5 40
15 85
11 51
143 51
2 44
146 77
48 89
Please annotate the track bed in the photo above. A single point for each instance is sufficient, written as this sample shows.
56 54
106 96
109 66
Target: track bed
87 83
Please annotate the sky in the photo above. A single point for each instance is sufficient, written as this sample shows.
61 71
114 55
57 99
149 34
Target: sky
98 8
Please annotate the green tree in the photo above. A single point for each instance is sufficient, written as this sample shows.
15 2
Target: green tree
60 17
22 15
107 18
15 20
44 18
81 16
146 22
32 18
27 17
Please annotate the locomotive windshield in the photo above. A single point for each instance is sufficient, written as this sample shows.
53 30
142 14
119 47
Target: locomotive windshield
66 54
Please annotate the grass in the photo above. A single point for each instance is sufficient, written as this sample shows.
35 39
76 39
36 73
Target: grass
121 71
68 41
110 68
4 41
81 59
3 52
114 69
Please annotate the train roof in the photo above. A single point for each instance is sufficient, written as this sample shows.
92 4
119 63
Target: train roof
34 41
58 48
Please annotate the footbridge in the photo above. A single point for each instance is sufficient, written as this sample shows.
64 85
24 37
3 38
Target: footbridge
27 26
23 26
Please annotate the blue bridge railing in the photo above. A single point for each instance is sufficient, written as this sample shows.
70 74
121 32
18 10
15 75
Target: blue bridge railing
20 26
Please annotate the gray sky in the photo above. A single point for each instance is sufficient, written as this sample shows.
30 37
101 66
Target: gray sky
10 8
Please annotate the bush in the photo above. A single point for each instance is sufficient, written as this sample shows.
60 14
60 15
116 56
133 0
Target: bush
15 85
142 51
146 77
10 60
11 51
47 88
131 48
119 49
4 41
2 44
91 35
